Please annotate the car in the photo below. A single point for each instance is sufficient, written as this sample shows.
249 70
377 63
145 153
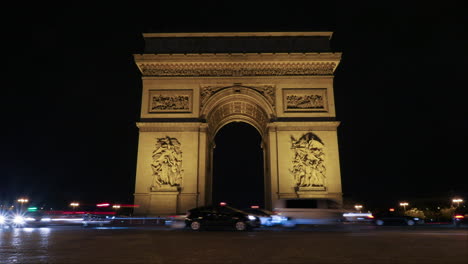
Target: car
395 218
269 218
97 220
220 216
354 217
310 211
24 219
460 217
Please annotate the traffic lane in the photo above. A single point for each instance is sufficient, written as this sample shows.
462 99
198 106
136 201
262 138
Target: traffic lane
152 245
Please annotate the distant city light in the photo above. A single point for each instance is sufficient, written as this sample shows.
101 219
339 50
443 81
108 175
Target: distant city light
74 204
222 203
116 206
23 200
358 207
392 209
254 207
103 205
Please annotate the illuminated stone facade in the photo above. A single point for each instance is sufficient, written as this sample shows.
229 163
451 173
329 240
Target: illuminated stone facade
190 92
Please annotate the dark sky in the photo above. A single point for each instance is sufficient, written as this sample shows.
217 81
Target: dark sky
71 95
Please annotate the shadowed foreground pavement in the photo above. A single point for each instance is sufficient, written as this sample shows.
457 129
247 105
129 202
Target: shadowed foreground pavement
365 244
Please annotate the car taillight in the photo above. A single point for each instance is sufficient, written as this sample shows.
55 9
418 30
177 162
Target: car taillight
459 216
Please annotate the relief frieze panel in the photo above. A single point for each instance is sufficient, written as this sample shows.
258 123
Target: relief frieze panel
305 100
308 163
167 164
167 101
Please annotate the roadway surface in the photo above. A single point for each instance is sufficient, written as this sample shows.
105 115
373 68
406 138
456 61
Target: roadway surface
148 245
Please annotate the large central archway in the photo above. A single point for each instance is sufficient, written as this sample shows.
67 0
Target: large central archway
246 107
238 174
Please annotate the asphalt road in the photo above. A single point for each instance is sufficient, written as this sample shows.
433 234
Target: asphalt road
345 244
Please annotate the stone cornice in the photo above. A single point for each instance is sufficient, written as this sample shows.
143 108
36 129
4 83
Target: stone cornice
171 127
239 34
306 64
304 126
238 57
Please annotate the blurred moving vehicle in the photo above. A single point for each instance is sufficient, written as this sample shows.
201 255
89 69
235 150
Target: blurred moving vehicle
460 217
24 219
310 211
97 219
395 218
358 217
220 216
269 218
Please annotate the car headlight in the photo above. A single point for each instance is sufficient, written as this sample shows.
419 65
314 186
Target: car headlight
416 219
45 219
18 220
2 219
251 217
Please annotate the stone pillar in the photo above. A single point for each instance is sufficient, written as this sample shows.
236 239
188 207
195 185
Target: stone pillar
163 201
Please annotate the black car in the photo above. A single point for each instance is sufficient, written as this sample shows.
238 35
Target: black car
395 218
220 216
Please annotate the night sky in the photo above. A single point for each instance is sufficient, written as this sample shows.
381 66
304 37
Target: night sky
71 95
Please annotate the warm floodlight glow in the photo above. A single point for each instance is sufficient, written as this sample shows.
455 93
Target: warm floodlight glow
457 201
404 204
358 207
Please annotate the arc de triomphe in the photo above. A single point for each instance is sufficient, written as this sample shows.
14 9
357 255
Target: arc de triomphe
281 83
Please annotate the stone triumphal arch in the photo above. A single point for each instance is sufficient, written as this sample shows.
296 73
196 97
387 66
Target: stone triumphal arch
281 83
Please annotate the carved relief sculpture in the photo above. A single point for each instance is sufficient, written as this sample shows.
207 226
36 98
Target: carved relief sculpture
167 163
308 161
301 100
170 101
267 91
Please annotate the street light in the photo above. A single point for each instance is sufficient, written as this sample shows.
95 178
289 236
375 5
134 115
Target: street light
74 205
404 204
22 201
358 207
458 201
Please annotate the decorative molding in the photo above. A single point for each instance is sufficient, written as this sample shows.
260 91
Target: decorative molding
268 91
236 108
240 34
304 126
171 127
237 69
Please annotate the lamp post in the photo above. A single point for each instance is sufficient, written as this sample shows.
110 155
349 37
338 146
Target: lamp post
358 207
404 204
22 201
74 205
458 201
